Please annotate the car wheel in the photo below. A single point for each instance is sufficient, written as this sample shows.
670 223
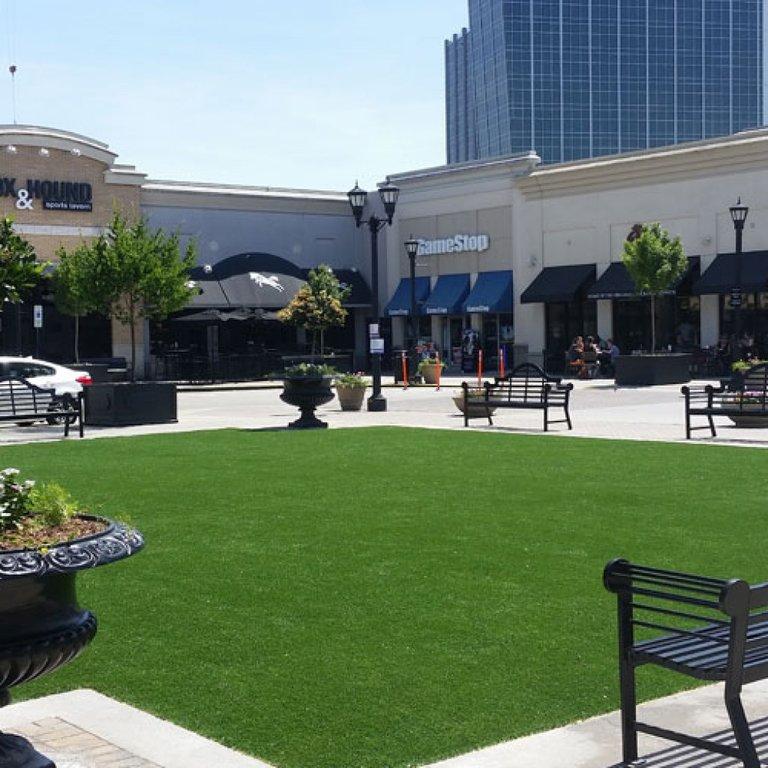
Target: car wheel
60 410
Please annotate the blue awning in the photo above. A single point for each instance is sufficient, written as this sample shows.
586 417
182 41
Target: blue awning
400 304
448 295
492 293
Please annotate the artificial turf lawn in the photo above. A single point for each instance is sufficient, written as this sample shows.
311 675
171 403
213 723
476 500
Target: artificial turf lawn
386 597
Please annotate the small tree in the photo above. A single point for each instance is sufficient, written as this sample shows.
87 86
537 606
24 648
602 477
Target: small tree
317 305
140 273
73 288
655 262
20 271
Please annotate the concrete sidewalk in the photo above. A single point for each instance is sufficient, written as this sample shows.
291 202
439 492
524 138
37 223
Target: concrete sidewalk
598 409
596 743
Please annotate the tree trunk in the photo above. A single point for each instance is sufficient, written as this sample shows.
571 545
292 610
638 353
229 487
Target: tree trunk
132 315
653 324
314 343
322 344
77 338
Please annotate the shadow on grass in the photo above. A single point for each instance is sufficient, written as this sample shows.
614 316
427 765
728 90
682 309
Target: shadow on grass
691 757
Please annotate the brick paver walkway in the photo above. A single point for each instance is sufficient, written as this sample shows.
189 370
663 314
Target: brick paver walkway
72 747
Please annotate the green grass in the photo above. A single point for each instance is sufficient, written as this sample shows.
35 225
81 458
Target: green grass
386 597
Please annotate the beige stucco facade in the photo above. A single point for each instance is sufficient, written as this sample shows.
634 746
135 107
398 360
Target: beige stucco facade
581 213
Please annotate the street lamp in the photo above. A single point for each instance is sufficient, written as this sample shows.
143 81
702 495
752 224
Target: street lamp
739 214
412 249
357 200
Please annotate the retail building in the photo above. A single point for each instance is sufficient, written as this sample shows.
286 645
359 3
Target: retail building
255 246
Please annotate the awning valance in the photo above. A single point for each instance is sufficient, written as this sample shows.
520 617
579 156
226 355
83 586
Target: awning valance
617 283
400 304
560 284
491 293
720 276
448 295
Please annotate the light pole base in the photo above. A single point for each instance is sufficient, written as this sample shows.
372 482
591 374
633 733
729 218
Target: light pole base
377 403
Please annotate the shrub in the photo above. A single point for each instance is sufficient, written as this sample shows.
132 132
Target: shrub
742 366
51 504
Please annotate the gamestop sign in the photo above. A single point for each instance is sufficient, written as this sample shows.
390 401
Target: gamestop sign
455 244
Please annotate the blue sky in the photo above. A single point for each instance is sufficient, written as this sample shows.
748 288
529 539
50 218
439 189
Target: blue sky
298 93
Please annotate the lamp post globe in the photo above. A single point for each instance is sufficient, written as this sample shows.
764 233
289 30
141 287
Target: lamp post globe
358 198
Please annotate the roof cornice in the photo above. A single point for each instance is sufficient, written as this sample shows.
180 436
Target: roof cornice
55 138
748 150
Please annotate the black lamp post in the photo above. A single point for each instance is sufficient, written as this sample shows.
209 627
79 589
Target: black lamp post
412 249
357 200
739 217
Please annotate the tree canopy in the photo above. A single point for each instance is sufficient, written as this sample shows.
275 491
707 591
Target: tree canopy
20 271
655 262
317 305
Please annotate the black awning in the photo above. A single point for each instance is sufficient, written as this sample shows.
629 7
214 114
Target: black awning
720 276
559 284
361 293
616 282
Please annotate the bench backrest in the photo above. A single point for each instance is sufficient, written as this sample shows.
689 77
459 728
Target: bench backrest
19 397
525 383
648 596
756 378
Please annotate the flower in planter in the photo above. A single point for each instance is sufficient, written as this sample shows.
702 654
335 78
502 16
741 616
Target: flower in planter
33 515
309 370
351 380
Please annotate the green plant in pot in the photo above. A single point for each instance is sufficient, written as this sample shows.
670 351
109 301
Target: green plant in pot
430 369
308 386
46 538
350 388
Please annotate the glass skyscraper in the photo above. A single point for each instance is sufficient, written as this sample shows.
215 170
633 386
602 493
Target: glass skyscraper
572 79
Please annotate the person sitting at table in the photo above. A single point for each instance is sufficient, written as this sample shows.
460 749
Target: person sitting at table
575 355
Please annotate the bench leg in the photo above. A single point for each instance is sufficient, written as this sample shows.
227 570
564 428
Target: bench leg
687 424
712 426
568 418
466 417
742 732
488 414
546 420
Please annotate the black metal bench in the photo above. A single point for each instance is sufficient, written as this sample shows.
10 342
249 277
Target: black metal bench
22 402
712 629
747 400
526 387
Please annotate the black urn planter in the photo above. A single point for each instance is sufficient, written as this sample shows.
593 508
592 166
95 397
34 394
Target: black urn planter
122 404
42 626
650 370
307 393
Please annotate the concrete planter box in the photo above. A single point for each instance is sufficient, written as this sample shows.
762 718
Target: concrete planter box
122 404
649 370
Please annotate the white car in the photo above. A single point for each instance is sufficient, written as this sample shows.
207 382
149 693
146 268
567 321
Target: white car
66 382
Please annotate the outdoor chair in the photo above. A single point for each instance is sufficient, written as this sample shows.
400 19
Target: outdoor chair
711 629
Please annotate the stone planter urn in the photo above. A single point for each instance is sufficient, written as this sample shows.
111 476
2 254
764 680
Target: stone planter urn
430 372
307 393
474 410
42 626
350 398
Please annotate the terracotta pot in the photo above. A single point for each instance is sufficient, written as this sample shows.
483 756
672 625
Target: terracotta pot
350 398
